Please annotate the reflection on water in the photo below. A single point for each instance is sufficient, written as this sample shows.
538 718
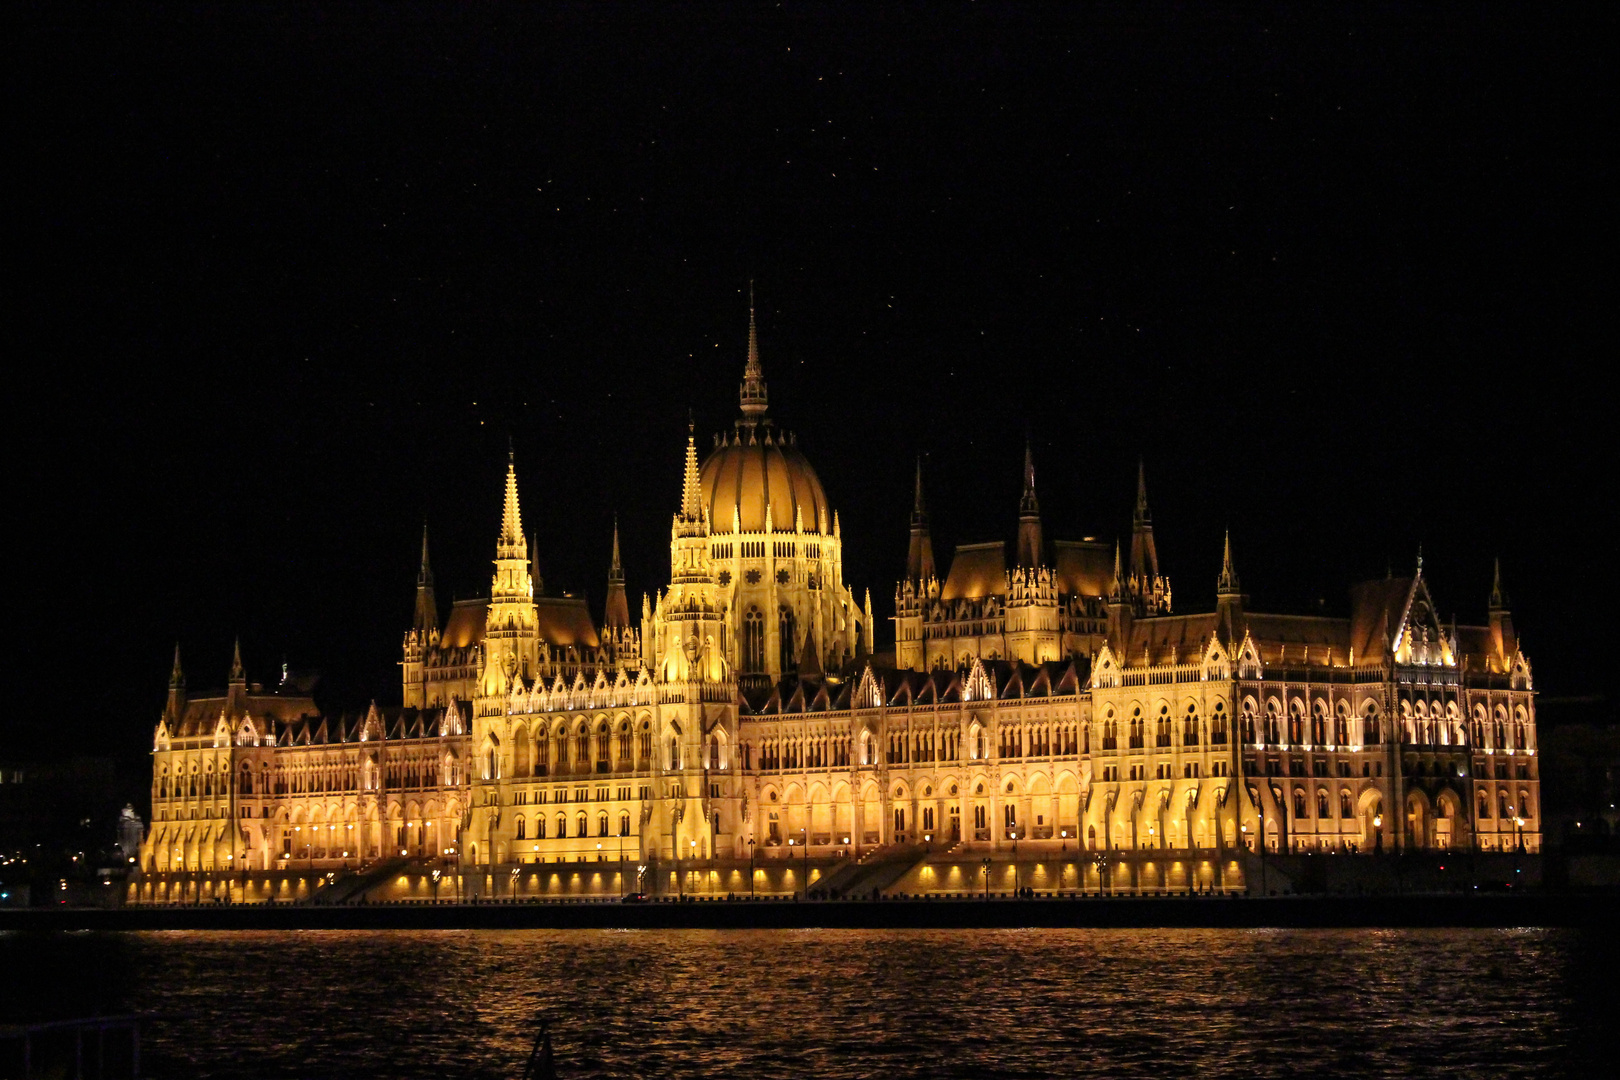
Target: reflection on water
935 1004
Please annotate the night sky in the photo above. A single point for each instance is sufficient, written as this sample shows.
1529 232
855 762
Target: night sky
283 286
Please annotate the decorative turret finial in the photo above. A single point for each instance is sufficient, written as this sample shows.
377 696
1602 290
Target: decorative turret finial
615 571
1031 544
237 672
427 608
618 606
1227 584
752 393
1119 574
1499 600
177 678
1420 559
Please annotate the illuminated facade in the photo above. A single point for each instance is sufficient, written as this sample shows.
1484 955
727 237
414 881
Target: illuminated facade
1055 700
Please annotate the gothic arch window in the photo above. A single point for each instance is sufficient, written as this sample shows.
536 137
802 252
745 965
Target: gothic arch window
602 824
522 827
753 641
1299 803
1136 729
787 632
584 826
624 823
1273 725
1484 805
1346 810
1322 810
562 827
1189 736
1161 735
1217 725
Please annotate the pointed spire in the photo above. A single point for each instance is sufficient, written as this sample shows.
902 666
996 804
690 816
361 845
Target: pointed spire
920 555
1420 559
618 606
1142 516
1499 600
177 677
1029 504
1031 544
919 509
511 515
1144 552
752 394
691 486
237 672
427 608
1227 584
1119 573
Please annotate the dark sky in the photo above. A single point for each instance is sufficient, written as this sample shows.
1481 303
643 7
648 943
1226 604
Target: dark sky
284 282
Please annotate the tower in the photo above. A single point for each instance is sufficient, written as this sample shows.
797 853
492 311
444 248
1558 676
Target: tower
511 634
1146 585
1031 549
1228 596
919 584
1503 638
616 617
422 636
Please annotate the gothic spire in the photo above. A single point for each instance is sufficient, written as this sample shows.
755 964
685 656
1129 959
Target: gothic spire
1227 584
427 608
1144 552
237 673
618 606
1030 542
511 515
752 393
1499 600
920 555
1142 516
177 678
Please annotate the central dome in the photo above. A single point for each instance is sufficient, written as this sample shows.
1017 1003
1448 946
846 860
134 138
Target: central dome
756 467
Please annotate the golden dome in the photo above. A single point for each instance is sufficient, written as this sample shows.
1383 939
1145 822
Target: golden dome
754 467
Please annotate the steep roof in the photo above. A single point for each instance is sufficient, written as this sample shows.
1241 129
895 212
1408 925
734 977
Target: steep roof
1084 567
977 570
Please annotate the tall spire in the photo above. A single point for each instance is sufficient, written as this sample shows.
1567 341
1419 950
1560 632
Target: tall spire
1227 584
427 608
1144 552
691 486
618 605
1142 516
1031 547
1499 599
752 393
177 677
920 555
238 674
534 565
511 515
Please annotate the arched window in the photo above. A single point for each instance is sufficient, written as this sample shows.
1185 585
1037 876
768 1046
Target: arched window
645 750
1318 724
1369 726
1273 725
1217 725
247 779
674 752
624 823
562 827
1346 810
1341 725
1484 806
584 824
539 827
1299 803
1322 808
1524 804
753 641
1296 723
602 824
1136 729
787 632
1504 805
1189 735
602 745
1110 737
562 749
522 827
1161 735
520 752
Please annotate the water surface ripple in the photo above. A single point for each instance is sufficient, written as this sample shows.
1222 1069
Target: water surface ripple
838 1004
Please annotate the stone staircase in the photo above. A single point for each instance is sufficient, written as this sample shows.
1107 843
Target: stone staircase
352 887
873 872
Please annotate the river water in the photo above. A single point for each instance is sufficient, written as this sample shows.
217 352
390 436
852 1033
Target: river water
825 1004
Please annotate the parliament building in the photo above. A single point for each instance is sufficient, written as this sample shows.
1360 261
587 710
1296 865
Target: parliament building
1043 717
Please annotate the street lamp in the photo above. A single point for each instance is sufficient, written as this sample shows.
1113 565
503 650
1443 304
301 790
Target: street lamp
750 868
806 863
1016 892
693 853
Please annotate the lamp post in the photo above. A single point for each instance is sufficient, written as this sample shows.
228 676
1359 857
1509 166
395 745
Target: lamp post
1016 892
790 858
987 879
750 868
693 853
806 833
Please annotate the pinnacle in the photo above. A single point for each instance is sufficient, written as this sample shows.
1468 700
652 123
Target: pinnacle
1228 581
511 515
1143 516
691 486
616 568
919 510
237 674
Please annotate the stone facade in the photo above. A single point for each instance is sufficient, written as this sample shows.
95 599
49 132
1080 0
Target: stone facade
1056 705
